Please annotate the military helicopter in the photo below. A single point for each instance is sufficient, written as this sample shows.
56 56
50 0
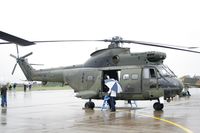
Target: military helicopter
143 76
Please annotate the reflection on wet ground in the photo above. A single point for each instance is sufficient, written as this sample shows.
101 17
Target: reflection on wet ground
3 116
59 111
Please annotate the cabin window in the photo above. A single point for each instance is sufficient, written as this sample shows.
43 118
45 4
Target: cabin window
126 77
90 78
134 76
146 73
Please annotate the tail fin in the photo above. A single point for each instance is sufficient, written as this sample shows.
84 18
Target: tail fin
26 68
24 65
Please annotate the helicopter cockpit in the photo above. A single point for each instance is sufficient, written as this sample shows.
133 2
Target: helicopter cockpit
165 71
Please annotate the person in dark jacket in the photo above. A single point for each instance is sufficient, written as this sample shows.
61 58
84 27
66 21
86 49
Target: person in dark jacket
25 86
4 96
14 86
10 87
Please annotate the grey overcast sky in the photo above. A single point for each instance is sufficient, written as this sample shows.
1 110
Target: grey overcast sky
175 22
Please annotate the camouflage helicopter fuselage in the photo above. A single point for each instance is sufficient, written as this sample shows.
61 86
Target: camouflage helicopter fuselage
141 75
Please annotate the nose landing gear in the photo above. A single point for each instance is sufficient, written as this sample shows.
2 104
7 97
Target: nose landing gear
158 106
89 105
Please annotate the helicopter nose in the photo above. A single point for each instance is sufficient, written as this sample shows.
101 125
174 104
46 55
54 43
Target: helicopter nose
171 83
177 84
171 86
180 84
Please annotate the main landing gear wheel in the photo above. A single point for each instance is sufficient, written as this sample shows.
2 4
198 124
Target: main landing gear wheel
158 106
89 105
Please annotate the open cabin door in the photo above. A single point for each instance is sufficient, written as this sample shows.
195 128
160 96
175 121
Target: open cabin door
149 78
112 74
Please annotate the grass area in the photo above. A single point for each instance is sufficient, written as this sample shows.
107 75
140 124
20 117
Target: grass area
42 88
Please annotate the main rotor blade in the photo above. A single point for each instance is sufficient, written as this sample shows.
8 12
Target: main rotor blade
14 39
105 40
13 56
14 69
57 41
158 45
192 47
177 46
45 41
27 55
37 64
5 42
67 41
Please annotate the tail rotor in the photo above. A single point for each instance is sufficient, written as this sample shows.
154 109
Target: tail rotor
27 55
14 68
18 58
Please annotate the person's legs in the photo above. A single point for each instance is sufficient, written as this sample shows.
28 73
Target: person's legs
3 101
188 93
109 103
112 103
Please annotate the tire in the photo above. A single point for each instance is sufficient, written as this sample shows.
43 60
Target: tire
158 106
92 105
87 105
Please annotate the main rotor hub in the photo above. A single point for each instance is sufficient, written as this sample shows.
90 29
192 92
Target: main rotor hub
115 42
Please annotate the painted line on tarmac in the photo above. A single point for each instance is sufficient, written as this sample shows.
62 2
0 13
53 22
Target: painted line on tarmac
170 122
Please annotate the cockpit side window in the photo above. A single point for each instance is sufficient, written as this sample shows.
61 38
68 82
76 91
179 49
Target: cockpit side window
152 73
165 71
149 73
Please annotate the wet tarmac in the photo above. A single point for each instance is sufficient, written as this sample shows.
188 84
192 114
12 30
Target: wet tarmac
60 112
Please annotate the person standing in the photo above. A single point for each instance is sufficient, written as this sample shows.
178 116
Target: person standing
4 96
113 95
10 87
14 86
25 86
30 86
114 88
